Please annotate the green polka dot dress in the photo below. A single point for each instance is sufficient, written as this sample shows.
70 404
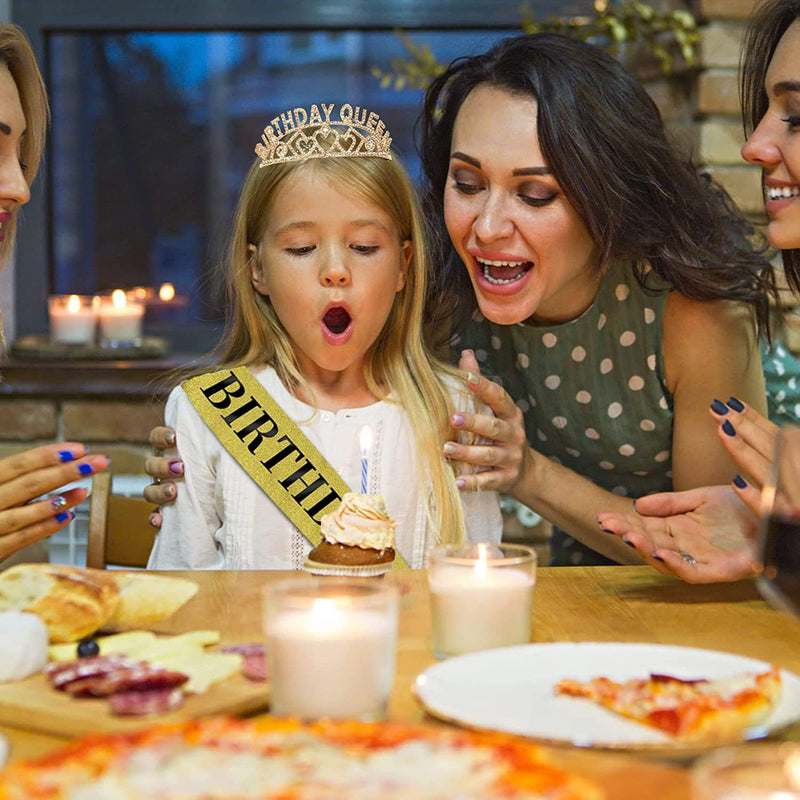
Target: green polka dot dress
592 391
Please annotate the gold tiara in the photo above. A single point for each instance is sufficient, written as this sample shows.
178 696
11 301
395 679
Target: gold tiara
298 134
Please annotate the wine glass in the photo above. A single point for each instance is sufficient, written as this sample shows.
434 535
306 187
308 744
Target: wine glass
779 550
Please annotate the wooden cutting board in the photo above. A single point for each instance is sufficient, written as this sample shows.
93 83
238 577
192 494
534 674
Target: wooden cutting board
34 705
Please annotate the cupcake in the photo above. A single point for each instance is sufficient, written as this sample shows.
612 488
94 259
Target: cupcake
357 538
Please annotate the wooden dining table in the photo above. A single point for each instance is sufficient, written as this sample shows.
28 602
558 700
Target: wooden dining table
572 604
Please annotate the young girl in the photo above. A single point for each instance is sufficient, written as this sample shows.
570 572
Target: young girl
327 276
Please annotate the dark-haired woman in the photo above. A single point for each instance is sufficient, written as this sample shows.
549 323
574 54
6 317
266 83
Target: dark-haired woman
616 290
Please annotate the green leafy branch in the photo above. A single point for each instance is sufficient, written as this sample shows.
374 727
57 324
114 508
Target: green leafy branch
623 28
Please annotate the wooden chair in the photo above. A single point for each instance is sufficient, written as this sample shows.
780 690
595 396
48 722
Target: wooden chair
119 531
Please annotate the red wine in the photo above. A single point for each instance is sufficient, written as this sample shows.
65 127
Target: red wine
780 579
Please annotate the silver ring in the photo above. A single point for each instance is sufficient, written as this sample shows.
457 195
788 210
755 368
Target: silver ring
687 557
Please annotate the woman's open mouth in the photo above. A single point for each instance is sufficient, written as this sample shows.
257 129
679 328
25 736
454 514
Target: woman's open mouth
337 325
501 275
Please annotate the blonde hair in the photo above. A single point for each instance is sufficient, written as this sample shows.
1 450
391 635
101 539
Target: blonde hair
17 54
398 362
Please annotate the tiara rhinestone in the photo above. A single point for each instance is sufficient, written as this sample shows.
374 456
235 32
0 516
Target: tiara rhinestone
299 134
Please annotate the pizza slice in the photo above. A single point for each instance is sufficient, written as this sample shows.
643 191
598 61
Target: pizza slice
686 709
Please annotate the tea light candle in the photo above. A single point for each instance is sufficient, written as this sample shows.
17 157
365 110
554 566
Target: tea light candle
481 596
72 318
331 649
120 318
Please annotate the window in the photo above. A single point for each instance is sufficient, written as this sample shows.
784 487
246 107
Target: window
156 111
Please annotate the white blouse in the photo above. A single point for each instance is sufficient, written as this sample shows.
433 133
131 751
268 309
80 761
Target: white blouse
221 519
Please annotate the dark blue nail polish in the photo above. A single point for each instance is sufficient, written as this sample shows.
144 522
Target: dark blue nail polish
64 516
657 558
736 405
739 482
85 469
718 407
66 455
728 428
630 544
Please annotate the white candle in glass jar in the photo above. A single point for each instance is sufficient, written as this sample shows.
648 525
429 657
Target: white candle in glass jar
72 319
480 603
332 658
120 318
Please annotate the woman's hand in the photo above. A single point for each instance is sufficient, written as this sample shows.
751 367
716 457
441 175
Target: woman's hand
749 437
503 460
702 535
31 474
160 468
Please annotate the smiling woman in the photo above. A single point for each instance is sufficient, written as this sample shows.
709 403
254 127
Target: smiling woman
617 291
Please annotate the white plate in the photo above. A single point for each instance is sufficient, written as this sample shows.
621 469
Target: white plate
511 689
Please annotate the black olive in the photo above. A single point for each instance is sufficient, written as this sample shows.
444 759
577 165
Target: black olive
88 648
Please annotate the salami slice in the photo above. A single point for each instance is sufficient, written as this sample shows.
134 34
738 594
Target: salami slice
153 701
137 678
61 675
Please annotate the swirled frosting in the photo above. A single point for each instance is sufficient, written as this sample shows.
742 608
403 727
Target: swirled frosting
360 521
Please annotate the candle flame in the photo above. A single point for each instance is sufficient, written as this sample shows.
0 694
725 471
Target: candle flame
166 292
483 560
324 613
118 298
73 304
366 440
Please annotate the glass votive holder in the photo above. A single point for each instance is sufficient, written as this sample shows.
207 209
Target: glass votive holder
481 596
331 647
757 771
73 318
121 316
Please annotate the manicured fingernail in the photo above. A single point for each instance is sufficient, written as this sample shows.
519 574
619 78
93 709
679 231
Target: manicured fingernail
630 544
170 437
169 491
605 530
735 404
152 520
449 448
739 482
176 467
473 378
657 558
58 502
460 483
64 516
728 428
66 455
634 506
85 469
467 352
457 420
718 407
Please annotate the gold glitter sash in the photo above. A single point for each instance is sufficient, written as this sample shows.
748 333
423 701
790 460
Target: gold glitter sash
270 447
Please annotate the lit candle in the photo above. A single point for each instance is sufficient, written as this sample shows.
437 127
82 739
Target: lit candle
331 649
120 318
72 319
366 443
166 292
481 596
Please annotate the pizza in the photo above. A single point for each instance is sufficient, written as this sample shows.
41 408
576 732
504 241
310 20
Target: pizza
686 709
282 759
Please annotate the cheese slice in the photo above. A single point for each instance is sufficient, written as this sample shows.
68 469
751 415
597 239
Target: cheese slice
203 669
